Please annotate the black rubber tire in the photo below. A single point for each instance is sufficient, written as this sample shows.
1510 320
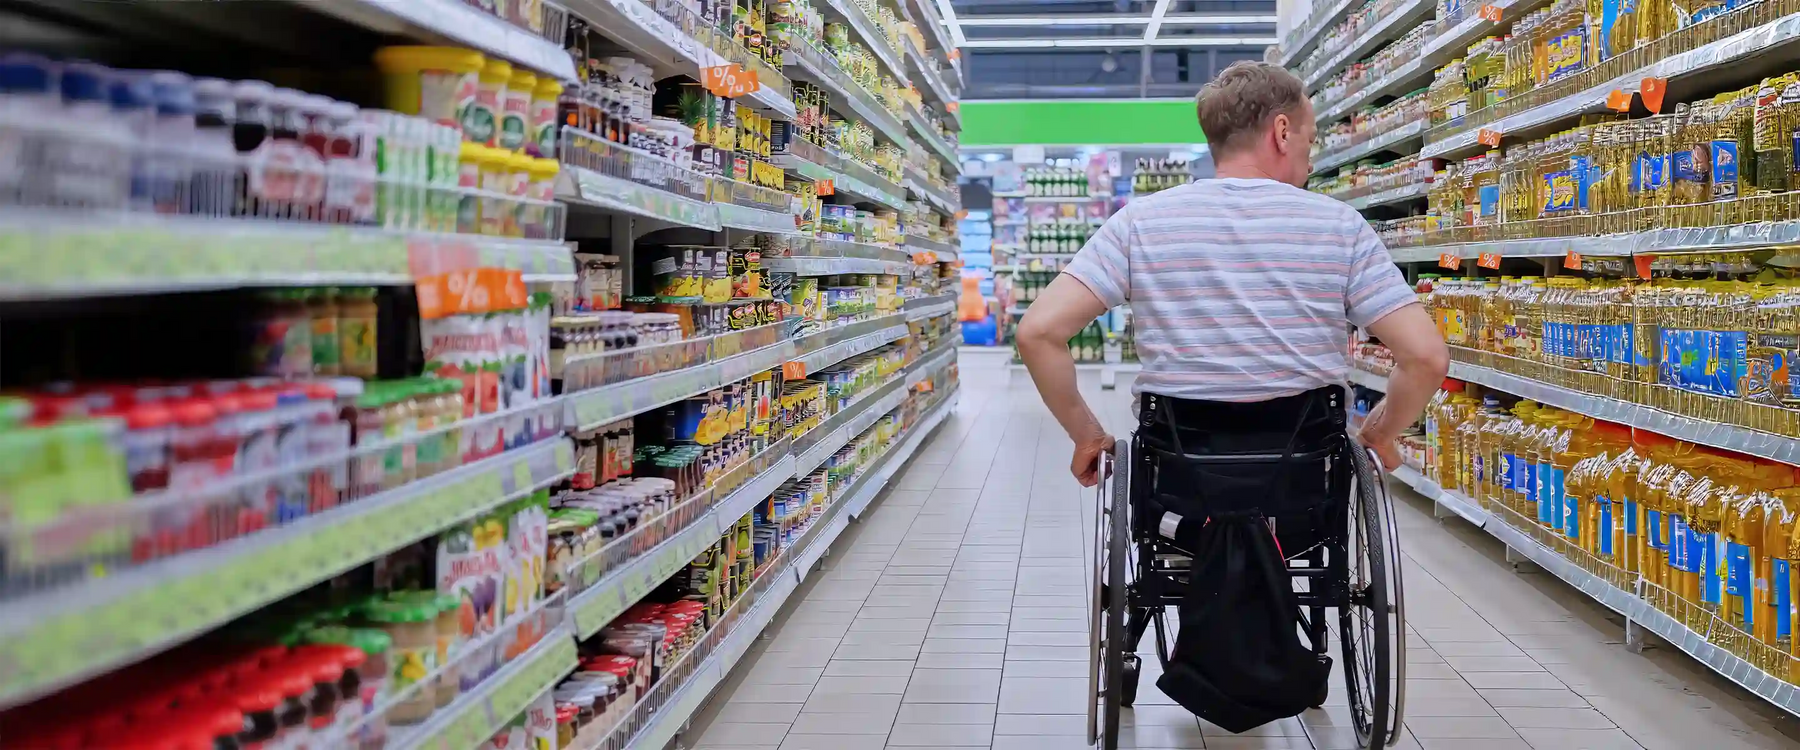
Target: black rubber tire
1118 568
1364 631
1128 686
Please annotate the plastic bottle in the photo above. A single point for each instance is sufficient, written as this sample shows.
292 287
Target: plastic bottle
1781 546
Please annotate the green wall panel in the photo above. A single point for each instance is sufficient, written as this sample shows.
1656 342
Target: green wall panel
1074 122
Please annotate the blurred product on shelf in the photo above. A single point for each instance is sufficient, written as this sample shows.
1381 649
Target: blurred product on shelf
365 495
1057 182
1155 175
1356 76
1707 337
1696 524
166 143
1367 177
628 666
1371 123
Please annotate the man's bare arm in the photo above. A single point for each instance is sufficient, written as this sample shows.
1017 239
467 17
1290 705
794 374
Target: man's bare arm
1420 362
1060 312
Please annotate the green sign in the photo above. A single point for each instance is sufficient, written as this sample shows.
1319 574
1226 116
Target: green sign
1077 122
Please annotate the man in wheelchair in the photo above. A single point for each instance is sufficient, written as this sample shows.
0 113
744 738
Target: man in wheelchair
1243 290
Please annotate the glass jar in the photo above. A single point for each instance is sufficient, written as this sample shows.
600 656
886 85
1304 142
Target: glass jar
412 627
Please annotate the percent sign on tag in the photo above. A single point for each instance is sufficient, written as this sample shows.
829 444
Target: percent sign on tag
729 81
825 187
1572 261
1490 13
1450 261
1487 137
1490 261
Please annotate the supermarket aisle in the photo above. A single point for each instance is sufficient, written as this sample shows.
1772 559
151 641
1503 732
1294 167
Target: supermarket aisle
954 617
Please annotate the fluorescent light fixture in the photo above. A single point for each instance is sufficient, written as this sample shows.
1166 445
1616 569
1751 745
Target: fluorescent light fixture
1045 21
1121 42
1156 16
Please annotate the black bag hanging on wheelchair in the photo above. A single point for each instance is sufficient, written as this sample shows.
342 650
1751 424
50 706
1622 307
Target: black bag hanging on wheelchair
1239 659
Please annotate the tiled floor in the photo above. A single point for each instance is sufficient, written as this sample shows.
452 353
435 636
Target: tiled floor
954 617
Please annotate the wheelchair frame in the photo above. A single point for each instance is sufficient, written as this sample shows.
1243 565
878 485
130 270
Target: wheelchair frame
1138 573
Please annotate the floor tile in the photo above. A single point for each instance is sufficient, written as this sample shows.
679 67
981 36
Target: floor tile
744 734
860 685
1555 718
858 723
1578 739
941 735
946 713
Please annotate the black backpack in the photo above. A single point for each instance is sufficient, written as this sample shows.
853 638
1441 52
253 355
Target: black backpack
1240 661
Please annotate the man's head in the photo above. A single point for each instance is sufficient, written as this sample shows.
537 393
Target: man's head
1256 115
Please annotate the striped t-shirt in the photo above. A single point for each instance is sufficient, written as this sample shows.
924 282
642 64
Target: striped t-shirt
1241 289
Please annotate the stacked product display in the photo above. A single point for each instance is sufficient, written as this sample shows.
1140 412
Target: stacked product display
1618 266
453 447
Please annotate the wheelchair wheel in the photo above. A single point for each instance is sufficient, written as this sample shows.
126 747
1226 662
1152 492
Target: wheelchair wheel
1108 639
1372 627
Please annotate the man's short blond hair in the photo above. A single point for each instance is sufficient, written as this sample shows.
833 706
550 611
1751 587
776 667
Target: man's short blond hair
1239 103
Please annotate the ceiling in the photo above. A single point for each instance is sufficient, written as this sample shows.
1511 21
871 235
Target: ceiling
1056 49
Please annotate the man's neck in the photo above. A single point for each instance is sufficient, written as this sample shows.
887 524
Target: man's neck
1242 169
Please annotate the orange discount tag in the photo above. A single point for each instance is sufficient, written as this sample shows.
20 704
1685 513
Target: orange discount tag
1450 261
432 296
1491 13
729 81
1572 261
1489 261
825 187
1652 92
954 106
1618 101
1643 265
793 370
1488 137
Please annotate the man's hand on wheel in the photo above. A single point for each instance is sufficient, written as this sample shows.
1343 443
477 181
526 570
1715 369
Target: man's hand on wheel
1086 464
1375 434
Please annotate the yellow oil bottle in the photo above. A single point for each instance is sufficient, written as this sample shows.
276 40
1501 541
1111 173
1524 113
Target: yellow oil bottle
1514 476
1598 526
1781 541
1746 582
1489 441
1575 444
1619 481
1684 555
1538 454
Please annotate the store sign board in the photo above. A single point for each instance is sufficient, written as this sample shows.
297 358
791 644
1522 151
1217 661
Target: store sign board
1028 154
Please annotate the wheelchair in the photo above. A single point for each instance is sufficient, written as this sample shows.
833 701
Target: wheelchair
1343 558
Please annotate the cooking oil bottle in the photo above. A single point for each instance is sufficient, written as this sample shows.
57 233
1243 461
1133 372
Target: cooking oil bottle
1781 542
1684 555
1456 412
1547 489
1654 551
1596 523
1705 515
1746 579
1572 446
1513 439
1617 480
1472 445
